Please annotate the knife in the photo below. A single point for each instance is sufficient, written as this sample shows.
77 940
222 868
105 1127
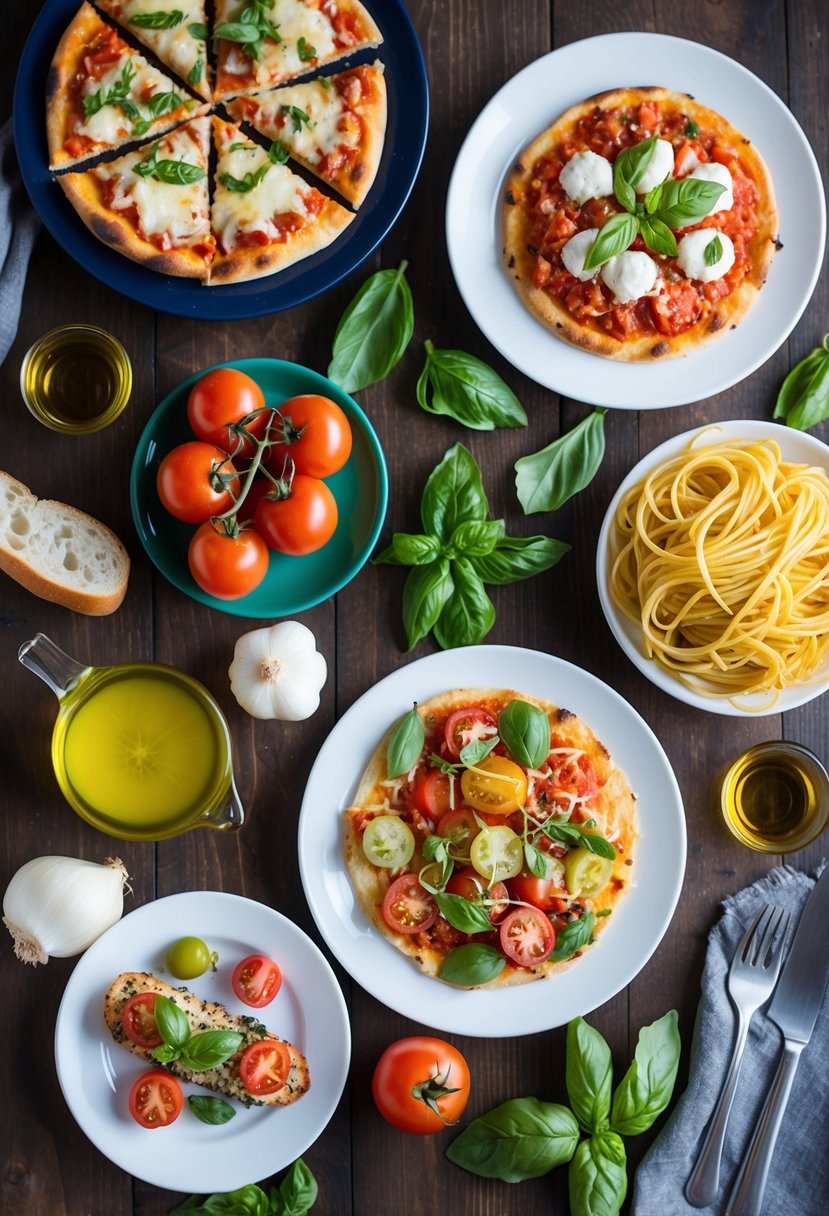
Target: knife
796 1004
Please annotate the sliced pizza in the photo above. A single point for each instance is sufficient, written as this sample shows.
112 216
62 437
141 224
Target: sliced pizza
152 204
334 126
101 94
174 30
261 43
264 216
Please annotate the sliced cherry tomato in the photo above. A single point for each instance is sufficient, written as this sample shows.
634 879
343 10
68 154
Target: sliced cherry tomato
301 522
256 980
497 853
421 1085
587 874
469 884
467 724
264 1066
544 893
155 1099
527 937
431 793
496 785
407 908
138 1020
226 398
461 827
388 842
317 436
191 482
227 567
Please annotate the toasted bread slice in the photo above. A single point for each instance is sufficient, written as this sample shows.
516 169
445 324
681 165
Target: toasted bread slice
205 1015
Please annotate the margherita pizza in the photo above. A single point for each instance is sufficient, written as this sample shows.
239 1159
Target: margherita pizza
639 225
174 30
502 850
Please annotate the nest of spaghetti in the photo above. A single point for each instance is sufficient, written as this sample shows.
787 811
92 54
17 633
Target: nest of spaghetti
721 554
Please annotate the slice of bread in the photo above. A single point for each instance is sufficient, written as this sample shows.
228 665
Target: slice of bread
60 553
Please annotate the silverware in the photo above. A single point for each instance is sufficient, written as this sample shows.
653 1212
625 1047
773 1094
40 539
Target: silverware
754 971
794 1009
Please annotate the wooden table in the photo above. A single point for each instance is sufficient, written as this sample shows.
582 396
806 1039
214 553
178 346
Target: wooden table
363 1166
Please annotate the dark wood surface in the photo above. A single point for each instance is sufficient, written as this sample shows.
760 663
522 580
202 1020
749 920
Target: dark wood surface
364 1167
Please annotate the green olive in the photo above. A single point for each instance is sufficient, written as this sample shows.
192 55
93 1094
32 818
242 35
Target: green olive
586 873
189 957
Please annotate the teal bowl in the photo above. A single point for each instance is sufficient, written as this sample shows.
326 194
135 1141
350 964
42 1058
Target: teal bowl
292 584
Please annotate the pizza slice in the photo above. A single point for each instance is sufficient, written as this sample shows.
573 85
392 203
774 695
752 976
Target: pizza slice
152 204
174 30
101 94
334 126
266 42
264 216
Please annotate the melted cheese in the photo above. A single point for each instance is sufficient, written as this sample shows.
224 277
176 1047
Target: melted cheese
714 172
321 135
691 255
576 250
179 211
110 123
586 175
661 166
281 59
629 275
176 46
280 192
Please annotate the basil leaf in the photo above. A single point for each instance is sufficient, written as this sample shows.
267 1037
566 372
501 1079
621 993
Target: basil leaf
434 848
165 1054
471 965
297 1191
712 252
210 1110
573 937
462 914
453 494
468 390
196 72
589 1075
525 730
164 103
176 172
157 21
248 1200
426 591
657 236
297 116
408 550
597 1177
305 51
277 153
237 31
522 1138
373 332
518 557
468 613
691 129
198 31
615 236
535 859
477 750
210 1049
405 744
803 400
172 1022
628 170
683 202
476 538
245 184
647 1086
545 480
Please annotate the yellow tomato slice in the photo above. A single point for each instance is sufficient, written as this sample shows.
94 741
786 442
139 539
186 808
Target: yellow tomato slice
496 785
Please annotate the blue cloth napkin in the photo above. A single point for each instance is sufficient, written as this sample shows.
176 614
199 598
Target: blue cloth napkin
19 226
798 1183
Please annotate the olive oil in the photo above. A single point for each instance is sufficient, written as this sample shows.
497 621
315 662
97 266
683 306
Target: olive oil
76 379
775 797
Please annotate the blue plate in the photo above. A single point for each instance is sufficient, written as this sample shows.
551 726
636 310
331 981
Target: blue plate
292 584
408 120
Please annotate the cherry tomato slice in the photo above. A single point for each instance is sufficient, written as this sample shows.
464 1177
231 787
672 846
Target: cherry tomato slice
543 893
464 725
155 1099
460 827
138 1020
256 980
264 1066
496 785
407 908
469 884
527 937
431 793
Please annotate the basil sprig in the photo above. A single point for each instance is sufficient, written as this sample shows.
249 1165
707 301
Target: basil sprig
473 964
545 480
575 836
277 155
803 400
477 750
163 20
468 390
525 730
295 1196
197 1052
172 172
251 28
214 1111
374 331
405 743
305 50
297 116
463 914
573 937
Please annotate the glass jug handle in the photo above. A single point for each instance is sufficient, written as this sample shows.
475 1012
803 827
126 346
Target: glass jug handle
228 816
53 665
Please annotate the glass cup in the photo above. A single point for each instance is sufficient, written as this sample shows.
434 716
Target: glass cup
76 379
775 797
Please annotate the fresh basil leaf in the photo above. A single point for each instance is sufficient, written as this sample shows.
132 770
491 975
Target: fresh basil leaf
712 252
157 21
175 172
545 480
615 236
405 744
196 72
141 126
297 1191
210 1110
245 184
305 51
691 129
803 400
476 538
445 766
277 153
434 848
589 1075
297 116
477 750
164 103
453 494
210 1049
647 1086
408 550
525 730
522 1138
172 1022
462 914
198 31
628 170
374 331
248 147
683 202
598 845
574 936
165 1054
519 557
237 31
468 390
468 613
426 592
657 236
536 860
248 1200
597 1177
471 965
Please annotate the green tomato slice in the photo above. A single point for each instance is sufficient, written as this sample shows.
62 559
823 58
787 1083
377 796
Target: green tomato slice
388 842
585 873
497 853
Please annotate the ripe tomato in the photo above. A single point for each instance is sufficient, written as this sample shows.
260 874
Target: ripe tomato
223 398
264 1066
431 793
407 907
421 1085
465 725
227 567
543 893
300 523
195 481
317 436
460 827
497 785
527 937
138 1020
155 1099
256 980
469 884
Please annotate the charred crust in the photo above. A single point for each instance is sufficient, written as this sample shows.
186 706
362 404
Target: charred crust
532 250
511 261
52 82
519 168
778 244
510 197
660 349
105 230
564 715
263 261
358 171
715 324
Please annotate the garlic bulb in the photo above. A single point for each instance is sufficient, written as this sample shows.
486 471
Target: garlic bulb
57 906
277 672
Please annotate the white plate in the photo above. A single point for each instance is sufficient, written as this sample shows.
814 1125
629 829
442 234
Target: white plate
528 104
636 927
795 446
96 1074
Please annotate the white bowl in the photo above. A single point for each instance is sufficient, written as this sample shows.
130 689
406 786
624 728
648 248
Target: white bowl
795 446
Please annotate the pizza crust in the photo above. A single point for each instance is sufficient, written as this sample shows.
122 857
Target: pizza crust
253 262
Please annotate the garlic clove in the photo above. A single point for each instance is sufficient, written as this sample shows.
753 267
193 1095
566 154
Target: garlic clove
277 672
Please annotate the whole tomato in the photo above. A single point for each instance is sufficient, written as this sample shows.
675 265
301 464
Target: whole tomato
314 433
225 566
196 481
222 400
421 1085
302 520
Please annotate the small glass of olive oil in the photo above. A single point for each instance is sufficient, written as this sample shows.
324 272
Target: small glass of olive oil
775 797
76 379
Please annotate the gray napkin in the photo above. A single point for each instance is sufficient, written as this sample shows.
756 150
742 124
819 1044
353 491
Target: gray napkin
19 226
798 1182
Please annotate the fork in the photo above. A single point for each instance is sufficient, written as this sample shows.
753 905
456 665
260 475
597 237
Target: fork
751 979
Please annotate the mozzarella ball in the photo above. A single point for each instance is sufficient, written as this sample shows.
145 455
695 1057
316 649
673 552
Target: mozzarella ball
629 275
691 255
661 166
713 172
576 250
586 175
